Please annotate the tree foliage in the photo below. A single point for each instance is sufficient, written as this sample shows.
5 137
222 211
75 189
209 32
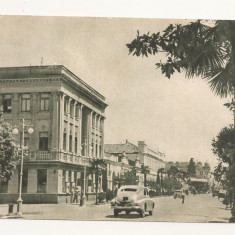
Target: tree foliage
96 167
223 141
191 168
145 171
224 148
201 48
8 152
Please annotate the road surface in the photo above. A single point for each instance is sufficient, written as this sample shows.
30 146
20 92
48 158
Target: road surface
198 208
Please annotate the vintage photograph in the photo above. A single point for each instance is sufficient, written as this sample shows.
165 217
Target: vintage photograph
117 119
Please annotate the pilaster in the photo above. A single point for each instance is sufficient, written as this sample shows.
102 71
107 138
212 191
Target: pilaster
68 126
73 130
55 124
80 131
62 96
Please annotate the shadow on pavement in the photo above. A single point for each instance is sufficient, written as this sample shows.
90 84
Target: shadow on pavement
124 216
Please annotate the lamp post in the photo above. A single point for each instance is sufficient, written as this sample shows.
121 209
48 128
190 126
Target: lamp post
15 131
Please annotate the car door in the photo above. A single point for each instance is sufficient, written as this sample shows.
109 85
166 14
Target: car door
148 202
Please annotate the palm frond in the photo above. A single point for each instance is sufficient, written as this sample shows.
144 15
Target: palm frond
222 83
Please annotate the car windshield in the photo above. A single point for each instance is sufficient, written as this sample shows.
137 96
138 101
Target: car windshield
129 189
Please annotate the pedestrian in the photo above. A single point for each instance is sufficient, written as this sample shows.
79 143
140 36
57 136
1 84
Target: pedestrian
183 197
76 194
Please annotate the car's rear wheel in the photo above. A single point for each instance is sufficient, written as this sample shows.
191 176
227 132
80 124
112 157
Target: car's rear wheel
116 212
142 212
150 212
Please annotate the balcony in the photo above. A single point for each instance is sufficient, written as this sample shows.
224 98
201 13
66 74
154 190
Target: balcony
57 156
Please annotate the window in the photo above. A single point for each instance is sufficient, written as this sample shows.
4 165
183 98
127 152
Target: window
43 141
3 186
65 106
63 182
6 103
64 141
70 143
44 102
25 102
71 109
93 120
100 150
42 180
76 145
77 112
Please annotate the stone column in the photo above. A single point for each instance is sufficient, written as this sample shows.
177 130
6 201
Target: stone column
55 124
98 139
102 137
94 143
80 131
62 96
68 126
73 130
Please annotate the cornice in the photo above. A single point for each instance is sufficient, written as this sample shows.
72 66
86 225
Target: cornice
25 80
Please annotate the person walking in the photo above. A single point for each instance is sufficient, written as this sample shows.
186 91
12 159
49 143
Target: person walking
183 197
76 194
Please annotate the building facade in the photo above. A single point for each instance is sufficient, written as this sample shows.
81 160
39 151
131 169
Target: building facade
67 116
137 155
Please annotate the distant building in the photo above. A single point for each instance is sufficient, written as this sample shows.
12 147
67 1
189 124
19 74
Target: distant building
202 171
67 116
140 154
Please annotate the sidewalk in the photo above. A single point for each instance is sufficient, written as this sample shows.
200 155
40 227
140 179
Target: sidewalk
36 209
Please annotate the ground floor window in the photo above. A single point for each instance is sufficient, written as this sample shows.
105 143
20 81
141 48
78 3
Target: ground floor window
3 186
42 180
64 182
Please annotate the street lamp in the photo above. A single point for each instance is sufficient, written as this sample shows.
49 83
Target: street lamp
15 131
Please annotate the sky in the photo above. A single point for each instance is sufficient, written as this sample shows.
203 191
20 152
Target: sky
178 116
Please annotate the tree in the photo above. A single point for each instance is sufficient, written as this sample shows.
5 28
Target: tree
224 148
145 170
202 49
160 172
191 168
173 171
97 165
8 152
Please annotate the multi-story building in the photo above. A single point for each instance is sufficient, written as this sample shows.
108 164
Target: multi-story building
67 116
138 155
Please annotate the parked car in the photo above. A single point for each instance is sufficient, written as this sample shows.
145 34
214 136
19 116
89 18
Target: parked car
132 198
178 193
222 193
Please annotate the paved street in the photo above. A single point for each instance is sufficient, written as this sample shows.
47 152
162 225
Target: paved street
198 208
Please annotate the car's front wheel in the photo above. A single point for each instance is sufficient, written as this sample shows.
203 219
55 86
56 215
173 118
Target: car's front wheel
150 212
116 212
